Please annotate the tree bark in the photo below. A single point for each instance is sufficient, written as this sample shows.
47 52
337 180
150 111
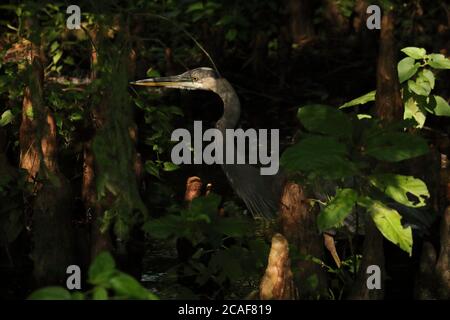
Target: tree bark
388 103
298 225
300 21
52 239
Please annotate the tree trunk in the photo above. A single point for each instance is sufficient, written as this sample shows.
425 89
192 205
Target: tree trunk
388 103
298 225
52 239
301 21
388 107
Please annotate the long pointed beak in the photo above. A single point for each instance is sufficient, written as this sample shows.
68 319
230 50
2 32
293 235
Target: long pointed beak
177 82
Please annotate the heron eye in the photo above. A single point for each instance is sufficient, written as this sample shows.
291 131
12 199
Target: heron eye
194 78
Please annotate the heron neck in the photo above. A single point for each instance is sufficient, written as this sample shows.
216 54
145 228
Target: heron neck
231 105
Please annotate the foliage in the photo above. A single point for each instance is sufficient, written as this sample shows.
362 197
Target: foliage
351 152
224 248
107 282
416 73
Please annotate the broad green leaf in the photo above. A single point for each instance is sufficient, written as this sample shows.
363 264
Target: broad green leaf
325 119
429 76
398 187
395 146
413 111
126 286
441 106
102 268
419 87
152 168
50 293
406 68
388 221
324 156
438 61
337 210
7 117
413 52
370 96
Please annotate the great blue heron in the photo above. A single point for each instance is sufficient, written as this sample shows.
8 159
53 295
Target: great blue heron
260 193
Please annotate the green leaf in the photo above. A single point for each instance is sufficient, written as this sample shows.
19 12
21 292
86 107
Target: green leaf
324 156
361 116
57 56
413 111
325 119
102 268
337 210
169 166
398 187
429 76
395 146
370 96
126 286
440 106
77 295
7 117
438 61
196 6
152 73
416 53
51 293
388 221
152 168
100 293
406 68
419 87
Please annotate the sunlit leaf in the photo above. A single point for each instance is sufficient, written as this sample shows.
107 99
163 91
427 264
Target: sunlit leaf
337 209
406 68
413 52
438 61
398 187
370 96
6 118
413 111
388 221
440 106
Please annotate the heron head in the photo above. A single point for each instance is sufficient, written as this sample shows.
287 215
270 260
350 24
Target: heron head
196 79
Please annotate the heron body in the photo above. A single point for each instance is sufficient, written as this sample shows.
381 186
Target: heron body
260 193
